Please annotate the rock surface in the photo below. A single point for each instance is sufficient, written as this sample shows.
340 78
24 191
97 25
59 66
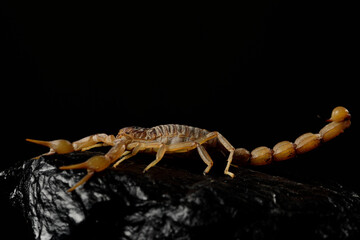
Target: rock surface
171 201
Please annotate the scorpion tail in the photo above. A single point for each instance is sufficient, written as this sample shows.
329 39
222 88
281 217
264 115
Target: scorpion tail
339 121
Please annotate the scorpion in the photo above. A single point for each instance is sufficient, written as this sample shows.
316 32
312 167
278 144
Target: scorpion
174 138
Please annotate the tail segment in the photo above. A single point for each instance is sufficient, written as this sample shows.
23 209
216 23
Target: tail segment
339 121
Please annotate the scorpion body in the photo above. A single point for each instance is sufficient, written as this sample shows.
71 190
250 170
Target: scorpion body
174 138
167 134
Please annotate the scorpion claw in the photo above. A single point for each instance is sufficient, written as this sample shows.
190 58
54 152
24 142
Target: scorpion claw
60 146
94 164
82 165
82 181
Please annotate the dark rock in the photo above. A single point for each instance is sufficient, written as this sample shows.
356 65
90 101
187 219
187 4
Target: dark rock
172 201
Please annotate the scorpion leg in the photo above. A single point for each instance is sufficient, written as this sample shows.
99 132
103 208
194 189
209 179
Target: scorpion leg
225 143
187 146
162 149
231 149
159 155
136 149
205 157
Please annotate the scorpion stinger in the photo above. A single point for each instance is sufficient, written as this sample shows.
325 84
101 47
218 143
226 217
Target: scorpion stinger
174 138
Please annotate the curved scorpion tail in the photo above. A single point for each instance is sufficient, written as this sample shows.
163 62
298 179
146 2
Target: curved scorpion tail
339 121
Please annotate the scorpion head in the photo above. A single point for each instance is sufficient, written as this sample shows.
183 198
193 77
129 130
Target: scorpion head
127 131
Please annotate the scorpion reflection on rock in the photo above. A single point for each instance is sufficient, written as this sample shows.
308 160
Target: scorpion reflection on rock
175 138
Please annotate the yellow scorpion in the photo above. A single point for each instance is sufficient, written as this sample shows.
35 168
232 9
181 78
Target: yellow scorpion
173 138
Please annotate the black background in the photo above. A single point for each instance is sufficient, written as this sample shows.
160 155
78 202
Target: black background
259 72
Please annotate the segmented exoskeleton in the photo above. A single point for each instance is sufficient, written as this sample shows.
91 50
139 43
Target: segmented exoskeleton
174 138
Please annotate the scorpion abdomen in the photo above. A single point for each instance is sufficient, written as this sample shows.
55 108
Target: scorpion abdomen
187 133
171 132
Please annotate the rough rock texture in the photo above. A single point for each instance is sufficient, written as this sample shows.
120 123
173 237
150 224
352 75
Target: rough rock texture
171 201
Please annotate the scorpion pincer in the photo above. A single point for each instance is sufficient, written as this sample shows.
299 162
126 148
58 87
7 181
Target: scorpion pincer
174 138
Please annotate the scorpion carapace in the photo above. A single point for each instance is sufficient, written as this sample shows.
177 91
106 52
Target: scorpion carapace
173 138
